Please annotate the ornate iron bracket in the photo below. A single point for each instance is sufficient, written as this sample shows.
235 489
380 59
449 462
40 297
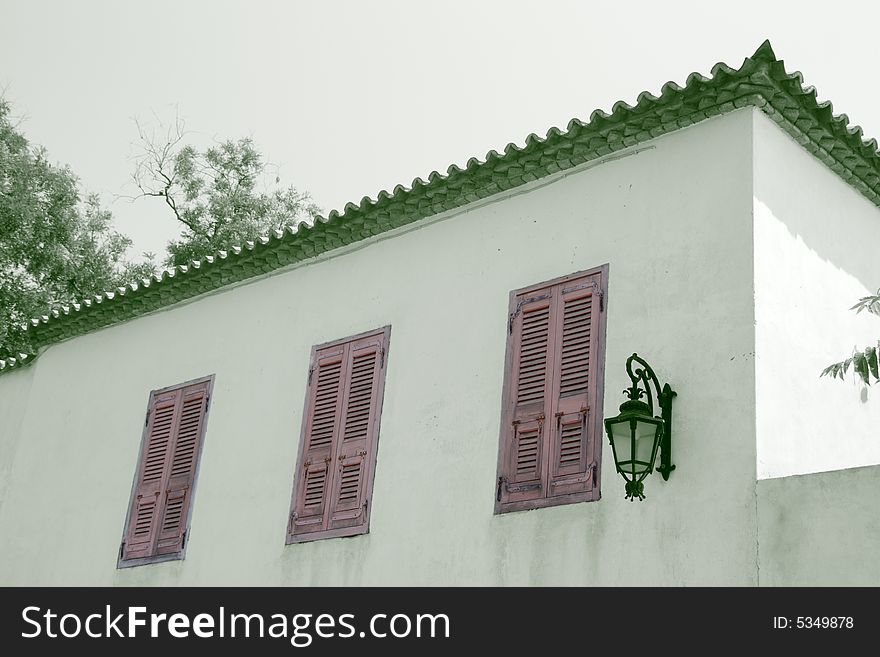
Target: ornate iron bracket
645 374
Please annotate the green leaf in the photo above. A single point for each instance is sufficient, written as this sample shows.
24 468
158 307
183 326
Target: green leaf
836 370
841 368
860 366
870 303
871 357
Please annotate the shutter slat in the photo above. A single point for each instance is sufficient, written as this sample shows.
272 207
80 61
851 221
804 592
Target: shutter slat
157 444
326 403
533 344
528 453
575 343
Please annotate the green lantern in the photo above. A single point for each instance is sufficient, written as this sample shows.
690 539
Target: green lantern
637 435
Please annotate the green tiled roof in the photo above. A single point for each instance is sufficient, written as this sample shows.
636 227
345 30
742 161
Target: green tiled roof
761 82
14 363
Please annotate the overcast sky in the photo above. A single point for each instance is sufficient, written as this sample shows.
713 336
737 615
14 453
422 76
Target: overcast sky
349 98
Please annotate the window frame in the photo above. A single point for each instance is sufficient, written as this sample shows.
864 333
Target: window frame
364 528
181 554
507 409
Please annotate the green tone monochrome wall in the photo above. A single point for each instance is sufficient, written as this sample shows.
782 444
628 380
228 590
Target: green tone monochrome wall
444 288
684 197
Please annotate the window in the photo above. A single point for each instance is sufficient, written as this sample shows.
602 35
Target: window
551 423
337 458
159 512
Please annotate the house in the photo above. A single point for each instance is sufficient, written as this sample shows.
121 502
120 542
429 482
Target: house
412 390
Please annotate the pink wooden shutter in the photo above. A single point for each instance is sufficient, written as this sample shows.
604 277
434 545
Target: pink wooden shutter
323 408
157 520
333 482
360 420
140 537
182 469
524 434
551 419
574 387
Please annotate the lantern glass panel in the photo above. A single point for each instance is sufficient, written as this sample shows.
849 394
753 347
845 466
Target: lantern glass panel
621 439
645 444
635 443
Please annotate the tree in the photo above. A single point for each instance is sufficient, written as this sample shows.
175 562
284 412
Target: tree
56 246
217 195
864 363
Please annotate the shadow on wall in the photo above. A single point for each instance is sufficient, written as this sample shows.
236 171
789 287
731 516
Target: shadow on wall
831 218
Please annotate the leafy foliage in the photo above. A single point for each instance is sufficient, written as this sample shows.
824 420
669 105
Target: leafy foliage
215 194
864 363
55 246
871 303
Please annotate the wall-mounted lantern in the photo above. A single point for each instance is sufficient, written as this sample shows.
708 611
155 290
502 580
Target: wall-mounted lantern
636 434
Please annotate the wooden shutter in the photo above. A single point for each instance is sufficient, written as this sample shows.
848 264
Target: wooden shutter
532 336
159 511
550 423
572 439
182 469
338 448
143 518
357 432
324 406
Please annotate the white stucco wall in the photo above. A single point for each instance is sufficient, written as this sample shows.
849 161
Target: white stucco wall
816 254
673 222
14 397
